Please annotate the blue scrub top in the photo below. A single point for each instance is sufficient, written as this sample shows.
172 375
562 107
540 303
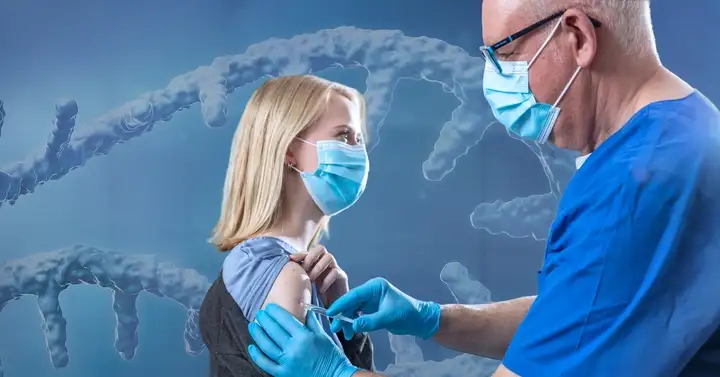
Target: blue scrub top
631 280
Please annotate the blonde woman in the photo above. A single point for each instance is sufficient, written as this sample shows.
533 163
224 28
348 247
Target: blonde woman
297 159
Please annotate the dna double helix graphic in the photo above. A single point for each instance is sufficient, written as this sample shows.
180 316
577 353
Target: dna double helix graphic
388 57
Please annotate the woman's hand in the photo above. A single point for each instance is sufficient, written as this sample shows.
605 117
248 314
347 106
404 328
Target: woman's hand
323 270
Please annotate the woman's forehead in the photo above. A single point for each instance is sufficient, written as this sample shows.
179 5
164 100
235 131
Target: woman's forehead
341 112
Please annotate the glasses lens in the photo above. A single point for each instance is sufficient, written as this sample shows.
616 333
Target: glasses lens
485 54
489 57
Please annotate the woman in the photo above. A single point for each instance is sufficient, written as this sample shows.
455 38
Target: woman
297 158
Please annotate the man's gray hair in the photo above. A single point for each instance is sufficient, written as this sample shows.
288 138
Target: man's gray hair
628 20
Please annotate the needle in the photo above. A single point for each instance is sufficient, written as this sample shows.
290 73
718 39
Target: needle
322 311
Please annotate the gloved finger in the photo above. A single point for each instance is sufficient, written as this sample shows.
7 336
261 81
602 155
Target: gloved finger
285 320
336 326
354 300
370 322
266 345
347 329
272 328
263 362
312 323
320 266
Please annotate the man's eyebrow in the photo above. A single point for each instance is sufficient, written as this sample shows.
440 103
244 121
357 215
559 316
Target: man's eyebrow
511 49
506 51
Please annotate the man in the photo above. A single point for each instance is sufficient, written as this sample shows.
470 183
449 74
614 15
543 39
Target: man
629 283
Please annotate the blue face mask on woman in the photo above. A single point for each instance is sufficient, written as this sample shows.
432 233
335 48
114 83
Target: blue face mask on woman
514 104
340 178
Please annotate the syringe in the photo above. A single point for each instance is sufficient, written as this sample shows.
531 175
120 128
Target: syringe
322 311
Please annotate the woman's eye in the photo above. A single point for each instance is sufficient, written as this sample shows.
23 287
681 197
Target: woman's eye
344 136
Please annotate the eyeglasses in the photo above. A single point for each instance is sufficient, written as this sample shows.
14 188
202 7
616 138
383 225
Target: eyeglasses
488 52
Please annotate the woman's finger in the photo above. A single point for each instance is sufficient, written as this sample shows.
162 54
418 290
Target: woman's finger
298 257
320 266
328 280
313 256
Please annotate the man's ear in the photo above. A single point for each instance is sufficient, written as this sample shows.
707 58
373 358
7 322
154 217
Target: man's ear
581 36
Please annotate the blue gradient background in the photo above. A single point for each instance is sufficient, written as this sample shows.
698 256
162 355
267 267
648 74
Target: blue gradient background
160 193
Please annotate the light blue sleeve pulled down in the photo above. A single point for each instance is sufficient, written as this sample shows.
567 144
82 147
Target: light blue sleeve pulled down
250 270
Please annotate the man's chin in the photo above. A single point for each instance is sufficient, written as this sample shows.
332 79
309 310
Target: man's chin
553 139
561 141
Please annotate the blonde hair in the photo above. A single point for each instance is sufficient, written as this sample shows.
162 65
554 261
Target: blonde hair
278 111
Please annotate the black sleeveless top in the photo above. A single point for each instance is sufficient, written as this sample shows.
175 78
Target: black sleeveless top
224 330
248 273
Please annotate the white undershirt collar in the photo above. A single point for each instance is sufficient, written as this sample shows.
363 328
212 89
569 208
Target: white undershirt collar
581 160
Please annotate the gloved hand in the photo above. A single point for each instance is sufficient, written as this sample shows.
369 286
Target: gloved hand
286 348
385 307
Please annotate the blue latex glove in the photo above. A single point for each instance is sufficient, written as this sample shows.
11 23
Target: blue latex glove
383 306
286 348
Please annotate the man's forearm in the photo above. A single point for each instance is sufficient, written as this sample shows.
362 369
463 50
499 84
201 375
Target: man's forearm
483 330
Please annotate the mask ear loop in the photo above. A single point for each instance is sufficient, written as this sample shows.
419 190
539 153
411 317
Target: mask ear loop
306 142
549 38
292 167
567 87
577 71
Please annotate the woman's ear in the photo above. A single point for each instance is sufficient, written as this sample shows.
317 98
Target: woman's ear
290 159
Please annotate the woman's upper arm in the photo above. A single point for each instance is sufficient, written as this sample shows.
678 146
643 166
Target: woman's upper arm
291 287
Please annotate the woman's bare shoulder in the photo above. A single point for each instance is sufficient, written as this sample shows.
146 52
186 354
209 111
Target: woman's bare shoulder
291 288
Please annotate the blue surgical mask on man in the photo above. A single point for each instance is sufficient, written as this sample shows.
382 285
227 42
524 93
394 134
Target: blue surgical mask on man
513 103
340 178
